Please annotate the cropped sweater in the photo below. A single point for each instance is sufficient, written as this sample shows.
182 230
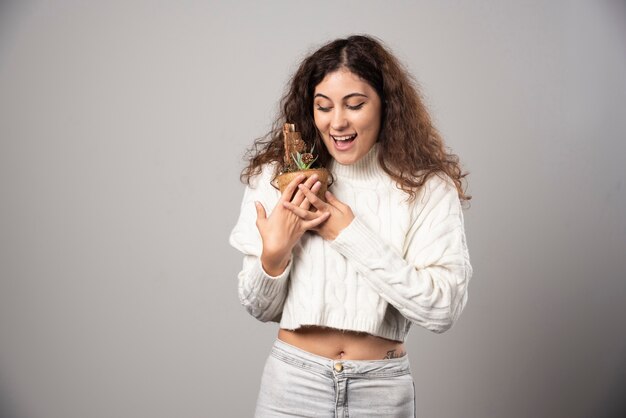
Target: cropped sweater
398 262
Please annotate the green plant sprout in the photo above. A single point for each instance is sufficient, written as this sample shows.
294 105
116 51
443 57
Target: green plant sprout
305 160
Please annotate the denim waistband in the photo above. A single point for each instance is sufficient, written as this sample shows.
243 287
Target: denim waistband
349 368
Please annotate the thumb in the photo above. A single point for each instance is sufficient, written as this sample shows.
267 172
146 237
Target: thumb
260 211
333 200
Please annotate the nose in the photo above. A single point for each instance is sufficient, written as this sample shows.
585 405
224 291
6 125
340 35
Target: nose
339 120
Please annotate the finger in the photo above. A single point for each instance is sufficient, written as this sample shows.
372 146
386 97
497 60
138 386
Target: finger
306 204
299 197
330 198
291 187
318 203
298 211
260 212
317 221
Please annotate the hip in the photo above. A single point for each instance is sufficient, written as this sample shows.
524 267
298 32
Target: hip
297 382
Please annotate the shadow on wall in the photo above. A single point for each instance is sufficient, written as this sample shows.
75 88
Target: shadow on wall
615 404
7 405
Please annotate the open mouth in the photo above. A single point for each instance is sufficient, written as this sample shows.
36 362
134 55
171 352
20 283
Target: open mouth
344 141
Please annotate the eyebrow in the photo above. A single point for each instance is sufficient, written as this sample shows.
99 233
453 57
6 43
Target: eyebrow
344 97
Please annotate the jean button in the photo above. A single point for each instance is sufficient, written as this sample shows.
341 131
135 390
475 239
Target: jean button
338 367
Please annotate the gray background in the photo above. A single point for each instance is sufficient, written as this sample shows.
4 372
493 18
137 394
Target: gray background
122 127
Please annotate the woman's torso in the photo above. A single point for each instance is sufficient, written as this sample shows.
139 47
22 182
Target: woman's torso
326 290
346 345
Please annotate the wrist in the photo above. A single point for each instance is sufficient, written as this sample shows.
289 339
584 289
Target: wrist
274 266
333 234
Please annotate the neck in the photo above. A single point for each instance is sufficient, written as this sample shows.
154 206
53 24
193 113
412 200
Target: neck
366 169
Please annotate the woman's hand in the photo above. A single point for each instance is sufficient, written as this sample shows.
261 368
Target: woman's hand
340 214
282 229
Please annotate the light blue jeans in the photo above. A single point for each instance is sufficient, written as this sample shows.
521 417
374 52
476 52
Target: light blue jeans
297 383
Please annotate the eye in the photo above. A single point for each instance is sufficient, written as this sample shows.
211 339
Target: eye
357 107
323 109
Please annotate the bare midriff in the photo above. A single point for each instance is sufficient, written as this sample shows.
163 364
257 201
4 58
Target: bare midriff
342 345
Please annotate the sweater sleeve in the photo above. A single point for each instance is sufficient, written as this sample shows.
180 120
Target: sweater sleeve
262 295
428 282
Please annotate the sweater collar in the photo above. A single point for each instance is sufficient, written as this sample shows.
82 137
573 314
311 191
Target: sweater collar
366 169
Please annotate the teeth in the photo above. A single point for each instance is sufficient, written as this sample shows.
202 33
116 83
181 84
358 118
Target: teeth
343 138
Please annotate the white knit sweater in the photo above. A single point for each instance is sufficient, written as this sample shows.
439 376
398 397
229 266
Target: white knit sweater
397 263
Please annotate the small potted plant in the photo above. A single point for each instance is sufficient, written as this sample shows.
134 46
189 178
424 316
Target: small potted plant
298 160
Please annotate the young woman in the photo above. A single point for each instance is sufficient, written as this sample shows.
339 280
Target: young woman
347 276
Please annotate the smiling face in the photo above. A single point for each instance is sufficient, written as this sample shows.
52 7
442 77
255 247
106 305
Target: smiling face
347 113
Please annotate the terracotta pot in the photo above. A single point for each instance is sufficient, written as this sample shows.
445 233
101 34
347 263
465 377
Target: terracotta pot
323 176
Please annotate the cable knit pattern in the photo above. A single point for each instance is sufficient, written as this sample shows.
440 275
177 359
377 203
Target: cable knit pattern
397 263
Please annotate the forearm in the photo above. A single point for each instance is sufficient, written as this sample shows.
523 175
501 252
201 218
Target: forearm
431 295
260 292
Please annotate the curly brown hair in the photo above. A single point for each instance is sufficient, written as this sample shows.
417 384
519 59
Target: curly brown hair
410 147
